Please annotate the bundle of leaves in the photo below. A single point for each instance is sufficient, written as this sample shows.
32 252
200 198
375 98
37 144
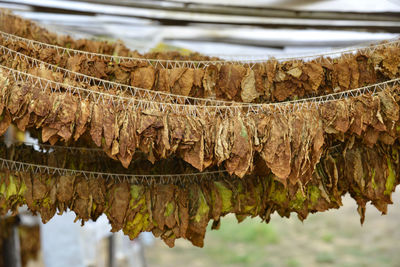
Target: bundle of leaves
290 144
259 82
171 167
172 209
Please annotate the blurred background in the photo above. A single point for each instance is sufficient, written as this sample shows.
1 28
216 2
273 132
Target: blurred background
252 29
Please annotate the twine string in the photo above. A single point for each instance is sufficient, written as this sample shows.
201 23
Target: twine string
166 63
108 85
146 179
131 104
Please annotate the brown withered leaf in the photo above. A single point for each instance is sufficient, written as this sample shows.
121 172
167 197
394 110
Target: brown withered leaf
306 135
121 76
193 135
335 117
40 104
284 89
259 73
49 74
27 179
270 72
355 75
143 77
182 219
47 133
74 62
96 124
17 98
65 188
366 71
163 209
229 80
39 188
249 91
66 116
295 71
81 203
118 204
222 149
5 122
195 156
162 80
23 122
315 74
391 61
98 196
390 107
97 69
108 124
210 80
127 139
83 117
181 81
363 110
276 150
371 136
341 74
199 216
241 157
198 89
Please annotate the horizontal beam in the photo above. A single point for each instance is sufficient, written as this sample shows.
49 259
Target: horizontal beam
178 16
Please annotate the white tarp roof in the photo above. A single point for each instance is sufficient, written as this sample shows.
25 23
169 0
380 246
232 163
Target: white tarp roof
313 5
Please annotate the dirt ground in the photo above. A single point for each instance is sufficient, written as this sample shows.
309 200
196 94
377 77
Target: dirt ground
333 238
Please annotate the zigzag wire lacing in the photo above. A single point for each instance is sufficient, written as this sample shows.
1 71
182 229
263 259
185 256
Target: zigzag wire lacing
144 179
131 104
181 179
108 85
167 63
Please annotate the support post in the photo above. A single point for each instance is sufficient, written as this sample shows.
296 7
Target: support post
11 248
111 252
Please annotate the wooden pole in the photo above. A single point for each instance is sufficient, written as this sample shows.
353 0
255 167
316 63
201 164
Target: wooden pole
11 248
111 252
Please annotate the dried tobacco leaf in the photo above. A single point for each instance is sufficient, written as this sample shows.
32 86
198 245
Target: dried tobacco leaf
241 157
282 80
127 139
210 80
118 203
391 61
96 126
172 211
66 116
82 118
5 121
108 124
249 91
181 81
229 81
315 74
276 150
143 77
341 75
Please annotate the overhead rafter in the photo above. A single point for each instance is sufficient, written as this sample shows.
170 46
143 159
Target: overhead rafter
173 13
